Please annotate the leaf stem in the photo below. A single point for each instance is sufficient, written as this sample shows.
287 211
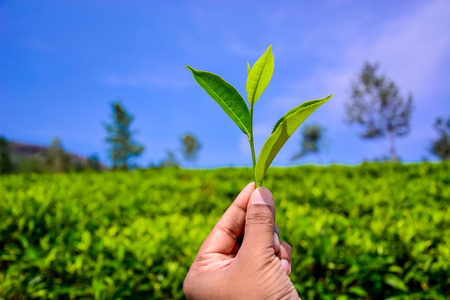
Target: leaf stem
252 146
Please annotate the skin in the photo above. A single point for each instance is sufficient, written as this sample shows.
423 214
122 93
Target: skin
242 257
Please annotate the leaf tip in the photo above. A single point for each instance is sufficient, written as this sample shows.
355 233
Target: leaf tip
327 98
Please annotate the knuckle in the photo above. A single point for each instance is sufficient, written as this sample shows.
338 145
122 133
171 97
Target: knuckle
261 218
287 247
232 229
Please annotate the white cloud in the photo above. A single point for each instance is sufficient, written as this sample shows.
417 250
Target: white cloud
412 47
410 50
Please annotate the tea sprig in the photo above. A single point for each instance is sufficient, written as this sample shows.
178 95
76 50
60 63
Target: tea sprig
235 107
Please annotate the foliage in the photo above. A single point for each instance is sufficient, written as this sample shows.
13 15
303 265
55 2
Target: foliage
32 164
441 147
283 129
312 140
235 107
6 163
26 158
376 105
56 159
93 163
170 160
120 138
191 146
375 231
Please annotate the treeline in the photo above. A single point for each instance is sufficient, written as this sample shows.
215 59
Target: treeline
22 158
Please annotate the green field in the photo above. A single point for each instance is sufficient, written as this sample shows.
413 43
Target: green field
373 231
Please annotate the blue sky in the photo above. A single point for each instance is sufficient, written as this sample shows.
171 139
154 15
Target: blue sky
63 62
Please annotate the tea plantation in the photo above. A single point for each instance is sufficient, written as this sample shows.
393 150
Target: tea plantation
374 231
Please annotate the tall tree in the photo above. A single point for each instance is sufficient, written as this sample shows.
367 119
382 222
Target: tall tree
441 147
191 146
6 164
311 142
120 138
376 105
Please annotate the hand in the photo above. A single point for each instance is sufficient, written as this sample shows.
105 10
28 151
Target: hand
242 257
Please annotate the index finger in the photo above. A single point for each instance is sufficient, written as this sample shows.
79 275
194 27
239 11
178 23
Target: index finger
223 236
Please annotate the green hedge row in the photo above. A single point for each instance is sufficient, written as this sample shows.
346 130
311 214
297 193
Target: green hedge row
375 231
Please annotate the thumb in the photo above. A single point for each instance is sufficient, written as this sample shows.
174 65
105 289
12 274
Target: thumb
260 220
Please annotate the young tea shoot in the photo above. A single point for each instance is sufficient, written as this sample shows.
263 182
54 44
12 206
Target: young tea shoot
235 107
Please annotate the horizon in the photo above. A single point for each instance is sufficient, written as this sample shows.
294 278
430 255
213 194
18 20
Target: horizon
224 166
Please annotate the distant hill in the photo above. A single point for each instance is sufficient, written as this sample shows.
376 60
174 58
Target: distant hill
22 150
26 150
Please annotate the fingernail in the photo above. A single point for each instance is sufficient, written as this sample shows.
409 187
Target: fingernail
262 196
286 266
276 239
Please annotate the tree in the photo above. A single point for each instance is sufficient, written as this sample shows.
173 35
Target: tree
441 147
191 146
312 141
6 164
376 105
56 159
93 163
170 161
32 164
120 138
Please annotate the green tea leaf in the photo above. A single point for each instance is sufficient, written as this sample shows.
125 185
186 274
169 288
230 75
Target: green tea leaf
295 109
259 76
226 96
357 290
248 68
284 128
395 282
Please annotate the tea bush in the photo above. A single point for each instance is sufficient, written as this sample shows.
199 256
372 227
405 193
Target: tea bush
374 231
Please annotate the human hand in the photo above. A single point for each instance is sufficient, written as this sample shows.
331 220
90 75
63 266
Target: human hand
242 257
